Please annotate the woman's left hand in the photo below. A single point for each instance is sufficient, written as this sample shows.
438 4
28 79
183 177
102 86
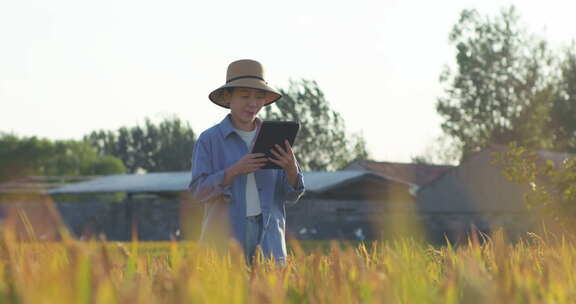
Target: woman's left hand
285 159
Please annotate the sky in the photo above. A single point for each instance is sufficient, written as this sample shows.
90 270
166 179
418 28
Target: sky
70 67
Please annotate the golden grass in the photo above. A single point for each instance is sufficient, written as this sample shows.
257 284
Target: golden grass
534 270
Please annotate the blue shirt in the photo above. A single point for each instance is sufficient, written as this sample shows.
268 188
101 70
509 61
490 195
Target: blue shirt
218 148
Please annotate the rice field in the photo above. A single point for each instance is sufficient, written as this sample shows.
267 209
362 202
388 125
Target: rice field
536 269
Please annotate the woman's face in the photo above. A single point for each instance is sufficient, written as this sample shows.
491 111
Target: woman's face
245 104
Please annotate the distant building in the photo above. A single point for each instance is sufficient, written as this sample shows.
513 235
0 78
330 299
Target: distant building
416 175
476 193
336 205
352 205
361 202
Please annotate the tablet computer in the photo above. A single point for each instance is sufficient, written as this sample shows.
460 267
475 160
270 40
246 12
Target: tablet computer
274 132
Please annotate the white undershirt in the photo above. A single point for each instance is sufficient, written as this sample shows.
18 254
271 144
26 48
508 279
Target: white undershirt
252 196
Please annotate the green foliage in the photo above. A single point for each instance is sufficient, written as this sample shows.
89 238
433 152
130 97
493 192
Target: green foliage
322 142
503 88
22 157
108 164
26 156
80 158
552 186
564 108
443 150
166 146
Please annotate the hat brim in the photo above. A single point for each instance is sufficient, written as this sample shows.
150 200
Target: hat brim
217 96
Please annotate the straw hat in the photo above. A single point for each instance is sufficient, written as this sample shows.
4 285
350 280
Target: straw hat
244 73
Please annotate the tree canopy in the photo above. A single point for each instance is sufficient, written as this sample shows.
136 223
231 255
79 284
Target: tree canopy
551 185
27 156
166 146
322 142
503 87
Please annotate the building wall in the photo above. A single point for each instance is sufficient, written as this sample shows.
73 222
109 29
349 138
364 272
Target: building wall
325 219
473 194
149 218
475 186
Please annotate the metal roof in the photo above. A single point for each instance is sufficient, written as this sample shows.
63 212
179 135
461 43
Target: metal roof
415 174
557 157
39 184
322 181
314 181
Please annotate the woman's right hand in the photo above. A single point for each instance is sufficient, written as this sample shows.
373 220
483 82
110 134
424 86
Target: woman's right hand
247 164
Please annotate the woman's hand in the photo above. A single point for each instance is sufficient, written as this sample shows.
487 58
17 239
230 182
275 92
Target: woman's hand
247 164
250 163
286 160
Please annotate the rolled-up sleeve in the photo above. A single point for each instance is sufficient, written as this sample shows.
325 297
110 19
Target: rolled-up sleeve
292 194
206 183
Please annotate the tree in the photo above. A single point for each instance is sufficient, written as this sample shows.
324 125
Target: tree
322 142
80 158
152 148
502 89
444 150
551 186
28 156
563 111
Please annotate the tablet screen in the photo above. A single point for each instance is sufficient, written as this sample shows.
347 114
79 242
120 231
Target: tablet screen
274 132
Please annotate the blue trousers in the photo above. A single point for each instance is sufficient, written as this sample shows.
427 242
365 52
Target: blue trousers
254 229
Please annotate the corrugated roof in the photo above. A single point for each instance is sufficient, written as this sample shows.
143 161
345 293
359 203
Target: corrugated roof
557 157
321 181
314 181
416 174
39 184
151 182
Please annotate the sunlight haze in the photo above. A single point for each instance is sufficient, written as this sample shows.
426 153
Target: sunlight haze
71 67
